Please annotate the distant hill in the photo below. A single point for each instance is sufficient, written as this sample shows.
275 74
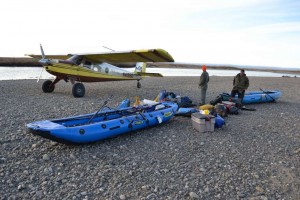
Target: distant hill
15 61
224 67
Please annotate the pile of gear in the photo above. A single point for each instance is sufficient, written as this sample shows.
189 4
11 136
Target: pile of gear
219 109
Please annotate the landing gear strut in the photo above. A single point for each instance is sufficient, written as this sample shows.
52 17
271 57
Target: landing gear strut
138 85
78 89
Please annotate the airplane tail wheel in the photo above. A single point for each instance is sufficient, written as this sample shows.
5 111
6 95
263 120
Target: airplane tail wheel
78 90
139 85
47 87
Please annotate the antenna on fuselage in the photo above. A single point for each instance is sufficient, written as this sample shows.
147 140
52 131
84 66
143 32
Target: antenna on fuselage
108 48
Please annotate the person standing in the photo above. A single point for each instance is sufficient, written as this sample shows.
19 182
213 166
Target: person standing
240 85
203 84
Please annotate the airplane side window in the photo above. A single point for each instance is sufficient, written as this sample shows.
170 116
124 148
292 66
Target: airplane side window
87 64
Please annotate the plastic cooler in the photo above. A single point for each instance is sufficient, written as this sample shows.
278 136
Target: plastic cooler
203 123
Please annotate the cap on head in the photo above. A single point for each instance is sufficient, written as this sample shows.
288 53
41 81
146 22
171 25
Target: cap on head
204 67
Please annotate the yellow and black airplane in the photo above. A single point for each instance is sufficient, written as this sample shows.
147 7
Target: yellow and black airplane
98 67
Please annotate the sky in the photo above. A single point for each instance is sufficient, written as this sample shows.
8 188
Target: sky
238 32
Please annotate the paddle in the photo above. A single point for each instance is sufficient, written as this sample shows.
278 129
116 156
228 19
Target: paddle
104 104
249 109
268 95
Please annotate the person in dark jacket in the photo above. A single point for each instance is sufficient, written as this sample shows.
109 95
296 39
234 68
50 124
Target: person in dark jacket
203 84
240 85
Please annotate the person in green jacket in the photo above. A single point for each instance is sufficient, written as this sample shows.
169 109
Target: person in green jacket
203 84
240 85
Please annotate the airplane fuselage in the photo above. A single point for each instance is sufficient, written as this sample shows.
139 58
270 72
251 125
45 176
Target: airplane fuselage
93 72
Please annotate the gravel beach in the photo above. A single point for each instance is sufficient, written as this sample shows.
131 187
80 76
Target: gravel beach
255 156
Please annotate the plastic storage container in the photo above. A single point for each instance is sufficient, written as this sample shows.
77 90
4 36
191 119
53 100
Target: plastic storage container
203 123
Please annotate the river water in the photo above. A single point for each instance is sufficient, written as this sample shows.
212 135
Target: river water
16 73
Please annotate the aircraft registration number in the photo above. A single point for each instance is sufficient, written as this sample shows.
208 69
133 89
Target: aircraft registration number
128 75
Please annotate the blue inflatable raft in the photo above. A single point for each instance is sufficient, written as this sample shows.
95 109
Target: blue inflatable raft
261 96
103 124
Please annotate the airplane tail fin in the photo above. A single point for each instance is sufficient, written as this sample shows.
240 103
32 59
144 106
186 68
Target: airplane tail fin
140 69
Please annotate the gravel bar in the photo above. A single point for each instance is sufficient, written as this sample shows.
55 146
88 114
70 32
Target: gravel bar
255 156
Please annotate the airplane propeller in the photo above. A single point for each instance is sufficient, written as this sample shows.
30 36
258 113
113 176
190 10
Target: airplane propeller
42 50
42 61
40 75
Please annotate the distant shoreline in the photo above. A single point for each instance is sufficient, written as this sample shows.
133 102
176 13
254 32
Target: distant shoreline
33 62
19 62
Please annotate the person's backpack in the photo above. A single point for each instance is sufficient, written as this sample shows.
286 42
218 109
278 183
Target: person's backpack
233 110
226 96
217 100
221 97
185 102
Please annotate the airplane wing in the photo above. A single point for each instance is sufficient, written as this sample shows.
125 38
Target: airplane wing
147 55
114 57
